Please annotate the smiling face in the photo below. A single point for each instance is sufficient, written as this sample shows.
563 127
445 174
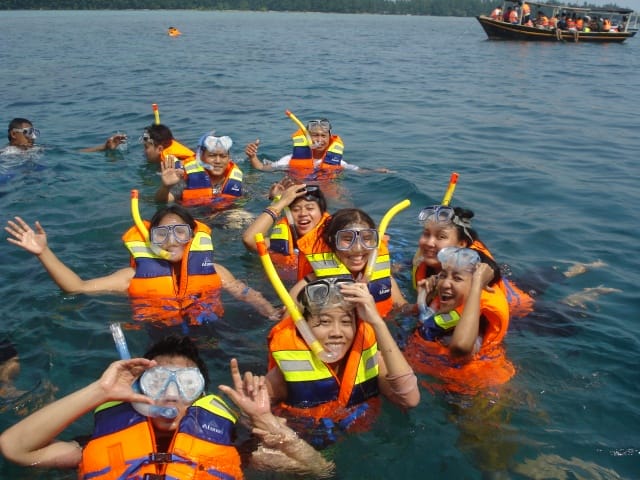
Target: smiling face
320 139
453 287
436 236
355 259
172 397
306 215
171 244
335 329
215 162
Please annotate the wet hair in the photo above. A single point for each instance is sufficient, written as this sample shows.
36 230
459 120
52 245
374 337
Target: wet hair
317 196
17 123
464 214
160 134
178 210
340 220
179 346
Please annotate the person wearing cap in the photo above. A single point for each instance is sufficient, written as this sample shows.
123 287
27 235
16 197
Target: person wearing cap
318 156
211 178
21 135
305 209
193 437
363 362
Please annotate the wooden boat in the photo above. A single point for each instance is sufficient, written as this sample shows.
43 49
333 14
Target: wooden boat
621 23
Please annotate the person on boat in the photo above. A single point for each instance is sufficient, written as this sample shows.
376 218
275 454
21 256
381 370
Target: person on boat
496 13
460 344
571 22
210 178
526 14
194 439
542 21
511 15
172 272
561 24
307 211
579 24
21 135
318 160
343 247
606 24
322 400
159 144
553 22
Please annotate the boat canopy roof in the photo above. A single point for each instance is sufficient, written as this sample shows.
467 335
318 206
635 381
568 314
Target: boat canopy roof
599 10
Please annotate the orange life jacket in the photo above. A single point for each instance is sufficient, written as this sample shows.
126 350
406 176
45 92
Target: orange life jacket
520 302
302 164
315 391
200 191
325 263
123 445
178 150
487 368
571 23
579 24
285 248
155 288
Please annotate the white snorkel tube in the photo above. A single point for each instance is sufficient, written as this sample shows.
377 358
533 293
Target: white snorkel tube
145 409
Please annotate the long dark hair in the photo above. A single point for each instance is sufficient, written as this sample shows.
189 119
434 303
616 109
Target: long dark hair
178 210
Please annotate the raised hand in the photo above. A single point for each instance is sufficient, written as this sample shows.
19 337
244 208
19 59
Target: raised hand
24 236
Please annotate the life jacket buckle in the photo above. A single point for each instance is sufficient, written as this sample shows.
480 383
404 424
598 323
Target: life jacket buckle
160 457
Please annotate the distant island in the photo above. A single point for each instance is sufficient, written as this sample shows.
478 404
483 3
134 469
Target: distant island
449 8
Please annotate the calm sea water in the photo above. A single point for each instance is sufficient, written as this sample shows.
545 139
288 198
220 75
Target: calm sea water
545 138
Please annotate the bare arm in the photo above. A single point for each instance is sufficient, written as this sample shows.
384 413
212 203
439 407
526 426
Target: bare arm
35 242
281 449
251 150
264 221
468 328
31 442
170 176
241 291
396 377
110 144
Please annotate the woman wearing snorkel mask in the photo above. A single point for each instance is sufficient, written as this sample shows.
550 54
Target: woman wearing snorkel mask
212 178
305 211
343 248
195 441
172 273
445 226
461 342
325 399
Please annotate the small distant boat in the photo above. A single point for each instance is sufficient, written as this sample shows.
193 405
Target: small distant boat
517 20
174 32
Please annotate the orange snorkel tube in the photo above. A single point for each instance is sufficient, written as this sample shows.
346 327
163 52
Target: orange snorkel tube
156 113
296 316
142 228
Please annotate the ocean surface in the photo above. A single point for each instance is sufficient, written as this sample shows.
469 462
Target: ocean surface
544 138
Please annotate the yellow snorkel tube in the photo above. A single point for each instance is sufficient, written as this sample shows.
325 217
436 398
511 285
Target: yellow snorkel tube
142 228
156 113
301 125
384 223
297 317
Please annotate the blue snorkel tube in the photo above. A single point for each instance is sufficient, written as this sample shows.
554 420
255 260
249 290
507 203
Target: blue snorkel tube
145 409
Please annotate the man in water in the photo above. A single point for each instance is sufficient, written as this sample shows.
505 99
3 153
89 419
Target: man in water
21 135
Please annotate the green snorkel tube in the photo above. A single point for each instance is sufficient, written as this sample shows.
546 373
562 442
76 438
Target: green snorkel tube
142 408
298 318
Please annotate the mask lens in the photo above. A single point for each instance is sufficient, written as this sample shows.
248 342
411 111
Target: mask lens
181 233
154 381
317 292
437 213
345 239
369 238
321 124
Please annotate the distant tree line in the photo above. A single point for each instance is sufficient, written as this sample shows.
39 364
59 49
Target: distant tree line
453 8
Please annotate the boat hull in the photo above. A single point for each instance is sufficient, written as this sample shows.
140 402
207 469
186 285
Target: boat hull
497 30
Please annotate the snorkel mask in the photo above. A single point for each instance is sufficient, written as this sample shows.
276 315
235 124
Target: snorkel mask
323 294
211 143
444 214
457 258
161 383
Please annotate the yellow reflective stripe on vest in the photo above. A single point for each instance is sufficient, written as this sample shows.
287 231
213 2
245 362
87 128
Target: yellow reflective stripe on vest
201 242
382 267
368 366
193 167
140 249
236 174
106 405
327 265
217 406
336 147
300 141
301 365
